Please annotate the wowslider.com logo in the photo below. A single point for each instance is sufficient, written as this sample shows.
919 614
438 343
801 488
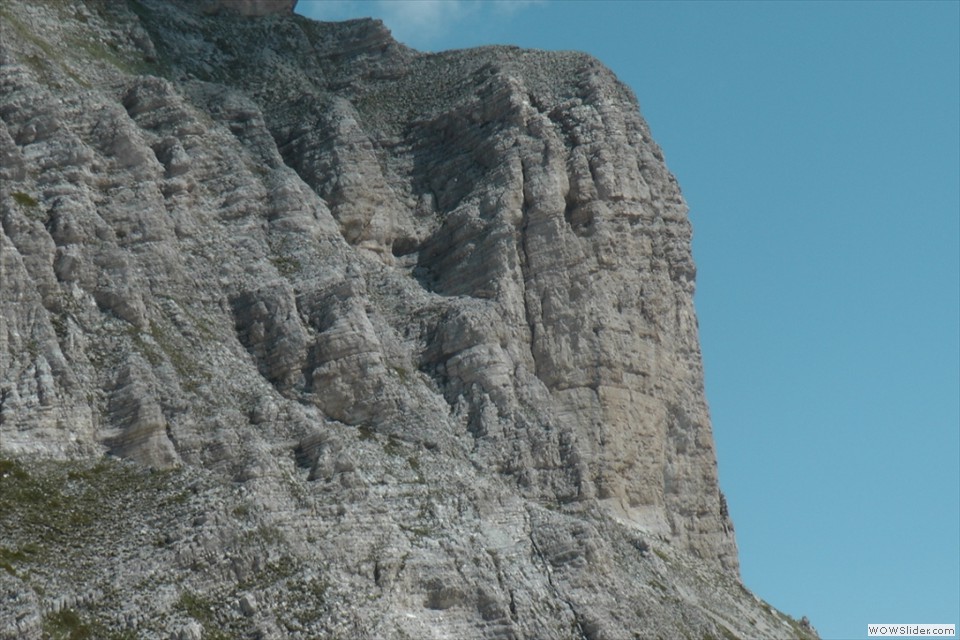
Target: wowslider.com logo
911 631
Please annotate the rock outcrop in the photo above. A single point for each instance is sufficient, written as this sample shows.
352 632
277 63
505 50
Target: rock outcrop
308 334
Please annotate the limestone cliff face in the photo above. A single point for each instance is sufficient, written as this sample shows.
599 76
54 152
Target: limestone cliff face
410 339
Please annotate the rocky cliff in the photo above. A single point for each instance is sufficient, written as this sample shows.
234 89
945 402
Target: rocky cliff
307 334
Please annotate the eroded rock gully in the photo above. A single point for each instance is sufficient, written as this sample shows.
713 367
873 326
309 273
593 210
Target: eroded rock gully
308 334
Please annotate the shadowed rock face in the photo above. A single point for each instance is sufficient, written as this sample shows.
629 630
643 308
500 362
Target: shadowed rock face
411 334
245 7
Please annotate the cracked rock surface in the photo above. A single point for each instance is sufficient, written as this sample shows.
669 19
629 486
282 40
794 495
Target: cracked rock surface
307 334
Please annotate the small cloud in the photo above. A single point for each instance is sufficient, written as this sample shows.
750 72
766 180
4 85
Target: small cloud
422 24
333 10
510 7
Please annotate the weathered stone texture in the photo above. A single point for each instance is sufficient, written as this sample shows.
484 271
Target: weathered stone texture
412 335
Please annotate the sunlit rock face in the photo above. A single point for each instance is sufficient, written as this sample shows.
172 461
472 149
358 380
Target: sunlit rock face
409 338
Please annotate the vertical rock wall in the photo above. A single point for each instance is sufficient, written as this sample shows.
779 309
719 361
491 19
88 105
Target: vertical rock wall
430 314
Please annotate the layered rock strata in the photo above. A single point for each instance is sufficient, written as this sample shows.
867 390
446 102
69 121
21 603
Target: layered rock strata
408 337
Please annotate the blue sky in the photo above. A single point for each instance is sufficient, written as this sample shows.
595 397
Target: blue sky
818 146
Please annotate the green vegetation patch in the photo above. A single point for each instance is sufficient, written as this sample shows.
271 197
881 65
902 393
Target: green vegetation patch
25 199
59 519
309 600
203 610
168 345
49 508
285 265
66 624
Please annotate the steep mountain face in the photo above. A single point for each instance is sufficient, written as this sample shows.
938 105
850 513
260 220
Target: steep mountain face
307 334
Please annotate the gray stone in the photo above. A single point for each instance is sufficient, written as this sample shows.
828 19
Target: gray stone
407 341
248 604
193 630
